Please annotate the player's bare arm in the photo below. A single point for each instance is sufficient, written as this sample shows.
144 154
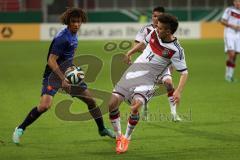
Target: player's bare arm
225 23
141 49
52 62
139 46
179 89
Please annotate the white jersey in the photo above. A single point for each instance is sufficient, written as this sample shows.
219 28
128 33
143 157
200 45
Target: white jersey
141 77
232 16
143 32
161 54
140 37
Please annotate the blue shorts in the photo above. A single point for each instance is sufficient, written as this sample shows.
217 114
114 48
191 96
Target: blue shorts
52 89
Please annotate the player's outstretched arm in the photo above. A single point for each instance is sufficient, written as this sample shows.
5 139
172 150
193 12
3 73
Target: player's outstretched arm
179 89
139 46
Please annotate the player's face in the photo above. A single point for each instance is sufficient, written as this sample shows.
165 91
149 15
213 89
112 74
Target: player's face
237 3
163 32
74 25
155 16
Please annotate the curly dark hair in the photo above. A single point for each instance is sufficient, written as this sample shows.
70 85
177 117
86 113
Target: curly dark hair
159 9
170 21
73 13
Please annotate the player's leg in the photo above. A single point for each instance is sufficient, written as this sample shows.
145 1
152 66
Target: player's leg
167 81
145 112
234 56
33 115
230 47
114 113
230 65
133 119
44 105
114 116
137 102
95 111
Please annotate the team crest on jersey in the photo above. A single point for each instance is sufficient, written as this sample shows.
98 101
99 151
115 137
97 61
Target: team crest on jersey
165 53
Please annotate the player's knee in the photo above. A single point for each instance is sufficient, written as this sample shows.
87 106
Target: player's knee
231 55
111 106
231 59
43 107
91 103
134 109
169 85
45 103
114 102
138 101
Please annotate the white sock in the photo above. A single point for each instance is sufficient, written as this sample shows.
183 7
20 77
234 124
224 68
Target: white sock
132 122
227 72
116 126
231 71
129 130
173 106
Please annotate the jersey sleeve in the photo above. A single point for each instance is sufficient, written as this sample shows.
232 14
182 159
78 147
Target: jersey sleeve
148 37
141 35
58 46
178 60
226 14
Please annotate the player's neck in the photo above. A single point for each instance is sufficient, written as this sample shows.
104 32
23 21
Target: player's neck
169 39
73 33
237 8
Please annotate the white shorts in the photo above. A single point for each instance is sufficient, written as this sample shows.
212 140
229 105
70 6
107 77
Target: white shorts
144 91
232 43
166 75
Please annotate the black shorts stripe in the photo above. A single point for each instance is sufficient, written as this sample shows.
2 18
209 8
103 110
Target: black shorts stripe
137 41
182 70
119 94
167 75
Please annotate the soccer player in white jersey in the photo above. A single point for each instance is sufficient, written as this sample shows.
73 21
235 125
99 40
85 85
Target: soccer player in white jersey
166 78
137 84
231 21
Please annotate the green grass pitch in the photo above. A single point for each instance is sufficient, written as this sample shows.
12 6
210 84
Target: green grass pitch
209 106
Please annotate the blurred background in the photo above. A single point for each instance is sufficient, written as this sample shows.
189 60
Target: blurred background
110 10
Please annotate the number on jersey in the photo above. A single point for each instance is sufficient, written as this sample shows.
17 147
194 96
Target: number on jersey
150 56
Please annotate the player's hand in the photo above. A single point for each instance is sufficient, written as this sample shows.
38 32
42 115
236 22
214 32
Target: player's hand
127 59
176 97
238 28
66 85
235 27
